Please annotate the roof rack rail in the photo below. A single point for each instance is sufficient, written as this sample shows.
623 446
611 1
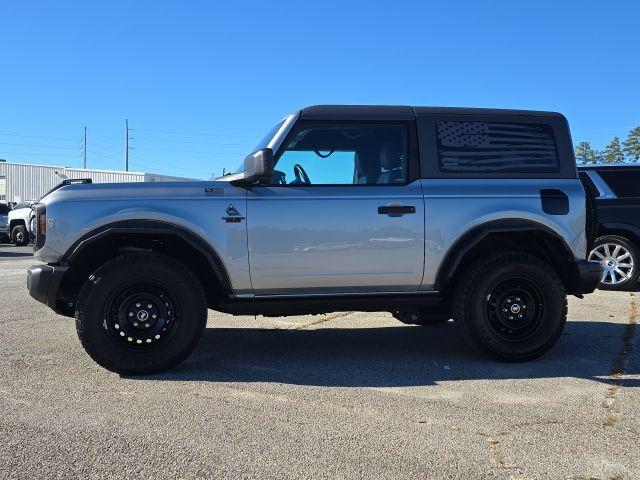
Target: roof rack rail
65 182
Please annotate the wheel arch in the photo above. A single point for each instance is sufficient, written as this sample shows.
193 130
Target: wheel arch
105 242
513 234
15 222
626 230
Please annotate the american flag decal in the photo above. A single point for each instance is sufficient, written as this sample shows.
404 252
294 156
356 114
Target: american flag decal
496 146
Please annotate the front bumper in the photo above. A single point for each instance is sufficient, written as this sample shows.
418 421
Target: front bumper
43 282
586 277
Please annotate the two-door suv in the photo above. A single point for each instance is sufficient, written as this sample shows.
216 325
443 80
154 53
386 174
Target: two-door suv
427 213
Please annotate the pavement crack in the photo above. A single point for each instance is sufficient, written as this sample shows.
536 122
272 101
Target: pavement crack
620 363
496 452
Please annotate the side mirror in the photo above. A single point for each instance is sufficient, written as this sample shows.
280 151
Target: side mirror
258 167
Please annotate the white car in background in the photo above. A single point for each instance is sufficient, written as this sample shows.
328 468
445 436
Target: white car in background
20 224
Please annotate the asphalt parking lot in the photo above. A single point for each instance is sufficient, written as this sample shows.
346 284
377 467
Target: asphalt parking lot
354 395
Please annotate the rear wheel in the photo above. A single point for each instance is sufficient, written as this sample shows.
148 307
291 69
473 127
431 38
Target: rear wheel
511 306
619 259
20 236
140 313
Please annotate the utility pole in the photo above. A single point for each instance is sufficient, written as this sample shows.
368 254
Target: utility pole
126 145
84 147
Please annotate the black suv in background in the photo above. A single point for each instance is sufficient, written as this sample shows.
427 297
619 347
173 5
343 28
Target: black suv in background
615 189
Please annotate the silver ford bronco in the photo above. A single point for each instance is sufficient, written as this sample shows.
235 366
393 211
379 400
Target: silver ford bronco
431 214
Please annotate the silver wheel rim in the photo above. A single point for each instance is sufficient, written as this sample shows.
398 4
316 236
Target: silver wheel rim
616 261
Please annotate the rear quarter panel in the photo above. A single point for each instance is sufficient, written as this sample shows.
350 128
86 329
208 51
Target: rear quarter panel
455 206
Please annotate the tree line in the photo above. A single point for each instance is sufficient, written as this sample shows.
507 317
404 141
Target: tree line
616 151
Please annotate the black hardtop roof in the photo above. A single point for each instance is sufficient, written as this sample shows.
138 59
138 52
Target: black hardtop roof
399 112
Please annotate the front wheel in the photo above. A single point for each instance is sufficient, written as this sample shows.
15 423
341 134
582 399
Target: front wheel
512 306
140 313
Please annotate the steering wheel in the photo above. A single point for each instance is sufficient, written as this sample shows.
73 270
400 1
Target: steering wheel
301 175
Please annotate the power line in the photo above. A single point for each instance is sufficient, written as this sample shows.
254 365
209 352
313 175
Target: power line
37 154
37 146
192 142
84 147
38 137
189 151
169 132
126 145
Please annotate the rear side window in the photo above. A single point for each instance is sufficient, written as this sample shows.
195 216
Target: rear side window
496 147
624 183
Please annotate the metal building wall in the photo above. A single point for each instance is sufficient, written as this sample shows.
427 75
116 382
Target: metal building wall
28 182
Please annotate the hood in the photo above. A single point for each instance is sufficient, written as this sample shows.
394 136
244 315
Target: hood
148 190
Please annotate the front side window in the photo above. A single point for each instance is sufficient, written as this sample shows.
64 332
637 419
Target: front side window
496 147
343 154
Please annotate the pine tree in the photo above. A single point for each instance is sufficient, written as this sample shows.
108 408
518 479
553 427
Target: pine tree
632 145
613 152
584 153
598 156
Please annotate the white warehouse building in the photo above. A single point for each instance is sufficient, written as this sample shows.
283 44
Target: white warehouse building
21 181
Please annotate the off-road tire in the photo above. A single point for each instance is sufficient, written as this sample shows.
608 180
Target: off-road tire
138 271
20 236
633 250
475 317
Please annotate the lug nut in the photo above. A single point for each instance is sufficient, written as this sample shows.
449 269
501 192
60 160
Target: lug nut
135 324
131 314
138 305
149 305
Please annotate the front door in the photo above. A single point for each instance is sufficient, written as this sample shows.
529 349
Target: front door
343 213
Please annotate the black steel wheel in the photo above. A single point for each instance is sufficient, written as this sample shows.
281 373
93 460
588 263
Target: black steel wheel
140 313
515 308
141 316
510 305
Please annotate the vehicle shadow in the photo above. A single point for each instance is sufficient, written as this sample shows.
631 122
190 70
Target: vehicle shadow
10 254
391 356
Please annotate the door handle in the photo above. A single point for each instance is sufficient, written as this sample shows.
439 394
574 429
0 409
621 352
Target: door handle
396 210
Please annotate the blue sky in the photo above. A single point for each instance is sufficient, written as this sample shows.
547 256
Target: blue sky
201 82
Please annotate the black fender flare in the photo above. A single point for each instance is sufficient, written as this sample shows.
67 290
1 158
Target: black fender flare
157 227
473 237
